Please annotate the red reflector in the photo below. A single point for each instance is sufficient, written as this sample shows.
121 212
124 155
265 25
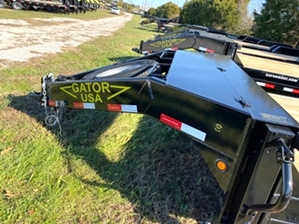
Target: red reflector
296 91
114 107
270 86
52 103
210 51
78 105
174 48
170 121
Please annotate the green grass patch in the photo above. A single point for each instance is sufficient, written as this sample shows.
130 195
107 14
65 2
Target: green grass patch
100 167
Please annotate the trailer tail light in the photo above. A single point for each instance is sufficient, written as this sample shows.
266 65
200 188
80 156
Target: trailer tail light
221 165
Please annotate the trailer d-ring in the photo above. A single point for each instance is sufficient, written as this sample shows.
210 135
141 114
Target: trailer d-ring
285 157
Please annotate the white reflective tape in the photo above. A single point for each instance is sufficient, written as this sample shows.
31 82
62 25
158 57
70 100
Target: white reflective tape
202 49
287 89
193 132
172 122
89 106
129 108
261 83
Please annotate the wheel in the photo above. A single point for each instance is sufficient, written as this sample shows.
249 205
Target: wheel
2 4
48 8
17 5
35 7
140 68
26 6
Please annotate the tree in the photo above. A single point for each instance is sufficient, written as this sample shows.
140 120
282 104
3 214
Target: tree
245 20
127 6
220 14
120 3
168 10
196 12
278 21
227 14
151 11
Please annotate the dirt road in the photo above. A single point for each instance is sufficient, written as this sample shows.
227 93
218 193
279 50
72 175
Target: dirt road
23 40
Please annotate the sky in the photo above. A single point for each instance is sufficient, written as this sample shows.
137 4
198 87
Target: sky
253 4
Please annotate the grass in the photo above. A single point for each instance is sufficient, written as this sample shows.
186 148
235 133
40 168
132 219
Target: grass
102 167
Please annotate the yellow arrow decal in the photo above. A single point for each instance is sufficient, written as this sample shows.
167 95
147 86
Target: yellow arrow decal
67 92
167 43
123 89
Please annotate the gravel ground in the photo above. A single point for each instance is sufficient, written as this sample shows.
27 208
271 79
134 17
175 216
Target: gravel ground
20 41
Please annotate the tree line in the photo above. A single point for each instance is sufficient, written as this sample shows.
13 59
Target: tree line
277 20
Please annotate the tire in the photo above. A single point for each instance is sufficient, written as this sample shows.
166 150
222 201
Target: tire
35 7
140 68
48 9
26 6
2 4
17 5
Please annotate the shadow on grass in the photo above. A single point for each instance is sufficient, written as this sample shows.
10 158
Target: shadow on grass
148 27
161 170
121 59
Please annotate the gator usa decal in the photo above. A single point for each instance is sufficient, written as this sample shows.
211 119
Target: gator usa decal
168 43
94 92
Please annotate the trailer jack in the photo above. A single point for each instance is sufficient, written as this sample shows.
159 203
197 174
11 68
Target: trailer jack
285 157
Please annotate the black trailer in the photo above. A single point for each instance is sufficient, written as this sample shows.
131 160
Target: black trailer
274 66
64 6
2 4
247 140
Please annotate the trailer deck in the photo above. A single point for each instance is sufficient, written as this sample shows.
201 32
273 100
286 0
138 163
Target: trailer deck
274 66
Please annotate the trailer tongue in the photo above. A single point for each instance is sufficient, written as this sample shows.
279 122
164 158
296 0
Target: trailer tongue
247 140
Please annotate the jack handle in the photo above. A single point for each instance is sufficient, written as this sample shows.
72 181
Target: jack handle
285 157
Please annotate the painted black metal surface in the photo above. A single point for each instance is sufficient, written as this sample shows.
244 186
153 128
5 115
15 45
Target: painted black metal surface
203 41
221 43
219 79
209 98
259 178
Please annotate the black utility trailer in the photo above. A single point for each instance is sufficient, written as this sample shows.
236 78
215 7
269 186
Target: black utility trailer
247 140
64 6
274 66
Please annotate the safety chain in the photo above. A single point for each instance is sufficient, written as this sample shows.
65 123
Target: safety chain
53 117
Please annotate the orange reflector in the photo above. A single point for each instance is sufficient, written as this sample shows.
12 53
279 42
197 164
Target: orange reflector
221 165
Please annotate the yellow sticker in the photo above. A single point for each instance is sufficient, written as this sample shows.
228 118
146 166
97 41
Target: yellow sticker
218 127
92 91
167 43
